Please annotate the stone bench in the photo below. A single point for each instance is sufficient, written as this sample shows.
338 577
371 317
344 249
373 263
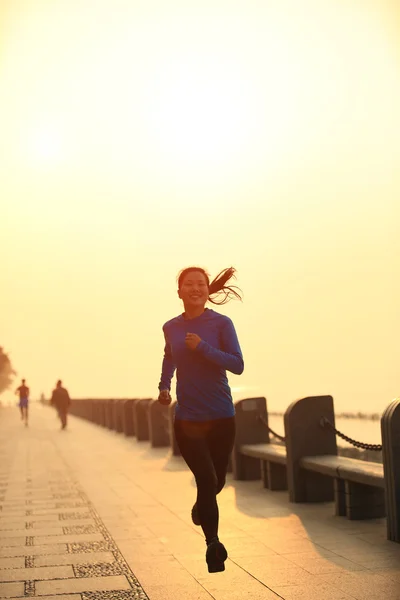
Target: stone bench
315 471
272 459
253 456
358 485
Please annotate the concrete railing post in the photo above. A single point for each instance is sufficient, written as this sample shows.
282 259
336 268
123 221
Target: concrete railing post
118 409
140 410
109 405
158 424
128 422
306 437
103 413
249 430
390 428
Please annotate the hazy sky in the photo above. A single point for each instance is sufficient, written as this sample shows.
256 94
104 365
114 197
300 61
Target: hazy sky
140 137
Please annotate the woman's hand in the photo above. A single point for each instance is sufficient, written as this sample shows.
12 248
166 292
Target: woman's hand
192 340
164 397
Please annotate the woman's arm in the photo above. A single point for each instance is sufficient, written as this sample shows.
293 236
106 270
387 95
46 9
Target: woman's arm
230 358
168 367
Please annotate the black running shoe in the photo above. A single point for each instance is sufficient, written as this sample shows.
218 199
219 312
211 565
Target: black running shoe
195 515
216 556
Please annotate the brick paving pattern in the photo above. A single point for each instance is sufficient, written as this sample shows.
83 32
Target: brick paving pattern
34 474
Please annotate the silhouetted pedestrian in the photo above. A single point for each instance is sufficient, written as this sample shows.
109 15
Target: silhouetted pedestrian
23 392
61 401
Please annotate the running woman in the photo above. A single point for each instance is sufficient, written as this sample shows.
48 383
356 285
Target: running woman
23 392
202 345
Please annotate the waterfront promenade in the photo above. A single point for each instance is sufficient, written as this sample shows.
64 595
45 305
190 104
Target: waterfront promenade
88 514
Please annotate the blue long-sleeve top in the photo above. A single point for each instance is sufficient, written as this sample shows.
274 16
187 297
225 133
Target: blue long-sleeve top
202 388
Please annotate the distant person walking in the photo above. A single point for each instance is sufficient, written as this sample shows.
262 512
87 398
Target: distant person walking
202 345
23 393
61 401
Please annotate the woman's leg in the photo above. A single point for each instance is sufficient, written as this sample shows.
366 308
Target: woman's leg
221 439
192 442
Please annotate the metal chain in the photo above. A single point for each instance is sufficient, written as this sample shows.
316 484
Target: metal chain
272 432
325 423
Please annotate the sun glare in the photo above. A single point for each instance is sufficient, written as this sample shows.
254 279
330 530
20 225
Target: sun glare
46 145
202 109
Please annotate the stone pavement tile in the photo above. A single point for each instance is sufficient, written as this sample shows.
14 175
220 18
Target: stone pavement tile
12 541
171 527
58 523
194 591
11 525
283 546
33 550
21 519
193 545
335 537
10 590
161 573
154 514
145 552
56 511
389 573
129 533
74 558
84 584
271 578
363 585
36 533
112 511
312 592
246 547
233 575
267 563
36 573
14 498
28 503
70 538
378 561
73 522
270 574
17 562
12 514
349 545
311 562
253 590
375 538
227 531
63 597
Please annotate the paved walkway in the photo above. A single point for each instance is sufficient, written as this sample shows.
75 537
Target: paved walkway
87 514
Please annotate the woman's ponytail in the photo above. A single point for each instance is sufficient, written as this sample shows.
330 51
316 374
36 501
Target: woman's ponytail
219 292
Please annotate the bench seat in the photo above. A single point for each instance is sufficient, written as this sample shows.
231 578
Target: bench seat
265 452
358 485
342 467
272 459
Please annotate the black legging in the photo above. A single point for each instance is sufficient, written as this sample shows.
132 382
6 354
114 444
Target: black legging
206 447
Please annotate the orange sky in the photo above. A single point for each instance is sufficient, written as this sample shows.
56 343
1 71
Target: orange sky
142 137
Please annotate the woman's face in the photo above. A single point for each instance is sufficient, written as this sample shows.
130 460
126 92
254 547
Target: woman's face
194 289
